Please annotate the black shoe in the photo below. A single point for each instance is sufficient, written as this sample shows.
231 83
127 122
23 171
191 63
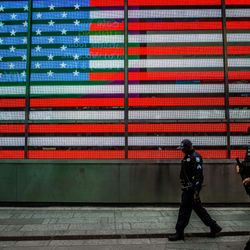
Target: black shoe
176 236
214 230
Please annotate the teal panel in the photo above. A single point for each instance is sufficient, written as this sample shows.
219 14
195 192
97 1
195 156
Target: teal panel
68 183
7 182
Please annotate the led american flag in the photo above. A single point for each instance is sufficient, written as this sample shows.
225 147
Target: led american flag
77 89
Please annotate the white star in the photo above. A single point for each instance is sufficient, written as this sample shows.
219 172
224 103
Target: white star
64 14
24 57
63 65
25 24
1 24
51 40
1 58
76 40
24 40
76 73
77 6
76 57
13 16
50 57
12 48
2 8
25 8
39 15
23 74
13 33
37 65
1 41
38 32
38 48
51 23
77 22
64 32
63 48
51 7
11 66
50 73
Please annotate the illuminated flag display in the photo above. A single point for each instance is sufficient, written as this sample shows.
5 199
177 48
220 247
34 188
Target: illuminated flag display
72 104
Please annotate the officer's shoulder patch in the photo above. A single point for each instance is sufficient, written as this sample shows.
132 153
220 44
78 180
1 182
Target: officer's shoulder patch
197 159
199 167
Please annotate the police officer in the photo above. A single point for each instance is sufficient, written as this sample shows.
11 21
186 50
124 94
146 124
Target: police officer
191 176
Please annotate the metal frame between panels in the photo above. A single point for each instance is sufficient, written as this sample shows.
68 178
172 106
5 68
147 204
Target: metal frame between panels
27 93
226 83
126 82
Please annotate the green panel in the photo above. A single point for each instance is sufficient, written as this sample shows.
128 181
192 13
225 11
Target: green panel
7 182
68 183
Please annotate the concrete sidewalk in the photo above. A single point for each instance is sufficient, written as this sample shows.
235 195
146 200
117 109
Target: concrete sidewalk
116 228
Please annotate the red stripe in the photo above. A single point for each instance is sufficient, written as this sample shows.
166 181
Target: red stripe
239 127
239 25
106 3
177 102
172 2
144 76
238 153
190 50
12 128
110 76
76 128
239 101
175 26
76 154
12 103
237 2
174 154
106 26
177 128
11 154
106 51
238 50
239 75
76 102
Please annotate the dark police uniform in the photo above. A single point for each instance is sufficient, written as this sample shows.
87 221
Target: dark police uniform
191 176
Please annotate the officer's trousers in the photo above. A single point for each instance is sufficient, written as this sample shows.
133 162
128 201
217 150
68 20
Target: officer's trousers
186 206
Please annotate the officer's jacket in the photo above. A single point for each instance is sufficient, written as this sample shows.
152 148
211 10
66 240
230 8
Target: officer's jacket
191 174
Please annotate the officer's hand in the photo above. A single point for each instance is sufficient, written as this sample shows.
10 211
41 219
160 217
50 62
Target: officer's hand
237 169
196 196
246 181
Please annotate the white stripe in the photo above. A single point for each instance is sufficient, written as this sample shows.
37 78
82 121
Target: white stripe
159 13
12 141
238 37
239 62
76 115
176 114
239 88
175 140
12 115
176 63
238 12
240 140
175 38
106 39
107 14
106 64
97 89
12 90
175 88
76 141
240 114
